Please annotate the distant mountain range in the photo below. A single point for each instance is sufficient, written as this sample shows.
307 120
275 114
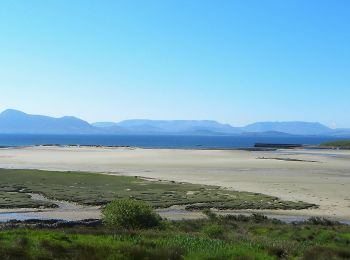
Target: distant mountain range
191 127
14 121
295 128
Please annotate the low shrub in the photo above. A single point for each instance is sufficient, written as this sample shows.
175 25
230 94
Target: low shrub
323 252
258 217
129 214
214 231
255 217
321 221
279 251
211 215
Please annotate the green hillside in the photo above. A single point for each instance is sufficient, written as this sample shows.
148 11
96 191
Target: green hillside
338 144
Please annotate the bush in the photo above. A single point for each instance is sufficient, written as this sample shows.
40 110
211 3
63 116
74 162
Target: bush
211 215
214 231
258 217
129 214
321 221
325 253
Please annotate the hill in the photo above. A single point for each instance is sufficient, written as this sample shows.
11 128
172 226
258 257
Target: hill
17 122
294 128
191 127
14 121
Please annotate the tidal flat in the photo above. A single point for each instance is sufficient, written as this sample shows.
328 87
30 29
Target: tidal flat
18 187
76 182
319 177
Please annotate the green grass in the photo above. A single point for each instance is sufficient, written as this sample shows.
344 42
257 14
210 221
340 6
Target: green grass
99 189
216 238
337 144
10 199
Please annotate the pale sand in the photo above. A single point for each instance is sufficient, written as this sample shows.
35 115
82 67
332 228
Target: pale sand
325 182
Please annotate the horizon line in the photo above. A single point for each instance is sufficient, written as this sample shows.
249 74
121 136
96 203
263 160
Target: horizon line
148 119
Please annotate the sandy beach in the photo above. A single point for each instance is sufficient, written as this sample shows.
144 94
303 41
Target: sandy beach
316 176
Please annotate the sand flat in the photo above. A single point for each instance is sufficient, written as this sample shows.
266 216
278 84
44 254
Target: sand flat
324 181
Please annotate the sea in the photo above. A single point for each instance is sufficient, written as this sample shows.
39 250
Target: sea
157 141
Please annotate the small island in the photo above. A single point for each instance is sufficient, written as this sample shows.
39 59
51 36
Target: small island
341 144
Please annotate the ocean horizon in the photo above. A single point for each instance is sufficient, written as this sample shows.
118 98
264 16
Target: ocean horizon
157 141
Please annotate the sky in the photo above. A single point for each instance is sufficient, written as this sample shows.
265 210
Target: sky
234 61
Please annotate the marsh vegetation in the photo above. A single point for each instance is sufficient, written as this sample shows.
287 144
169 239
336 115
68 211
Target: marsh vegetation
99 189
344 144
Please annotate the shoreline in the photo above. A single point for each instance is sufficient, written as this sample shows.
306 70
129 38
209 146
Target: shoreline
141 147
71 211
325 182
200 148
174 213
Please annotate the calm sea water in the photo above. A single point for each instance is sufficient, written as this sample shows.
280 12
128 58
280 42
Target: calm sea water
155 141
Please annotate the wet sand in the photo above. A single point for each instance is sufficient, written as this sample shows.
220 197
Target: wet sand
316 176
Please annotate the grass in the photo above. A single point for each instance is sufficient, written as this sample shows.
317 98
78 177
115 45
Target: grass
345 144
98 189
10 199
232 237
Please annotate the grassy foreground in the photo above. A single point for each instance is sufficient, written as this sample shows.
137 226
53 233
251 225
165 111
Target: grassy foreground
345 144
230 237
99 189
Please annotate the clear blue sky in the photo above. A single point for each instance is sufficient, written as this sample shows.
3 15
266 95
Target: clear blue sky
232 61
